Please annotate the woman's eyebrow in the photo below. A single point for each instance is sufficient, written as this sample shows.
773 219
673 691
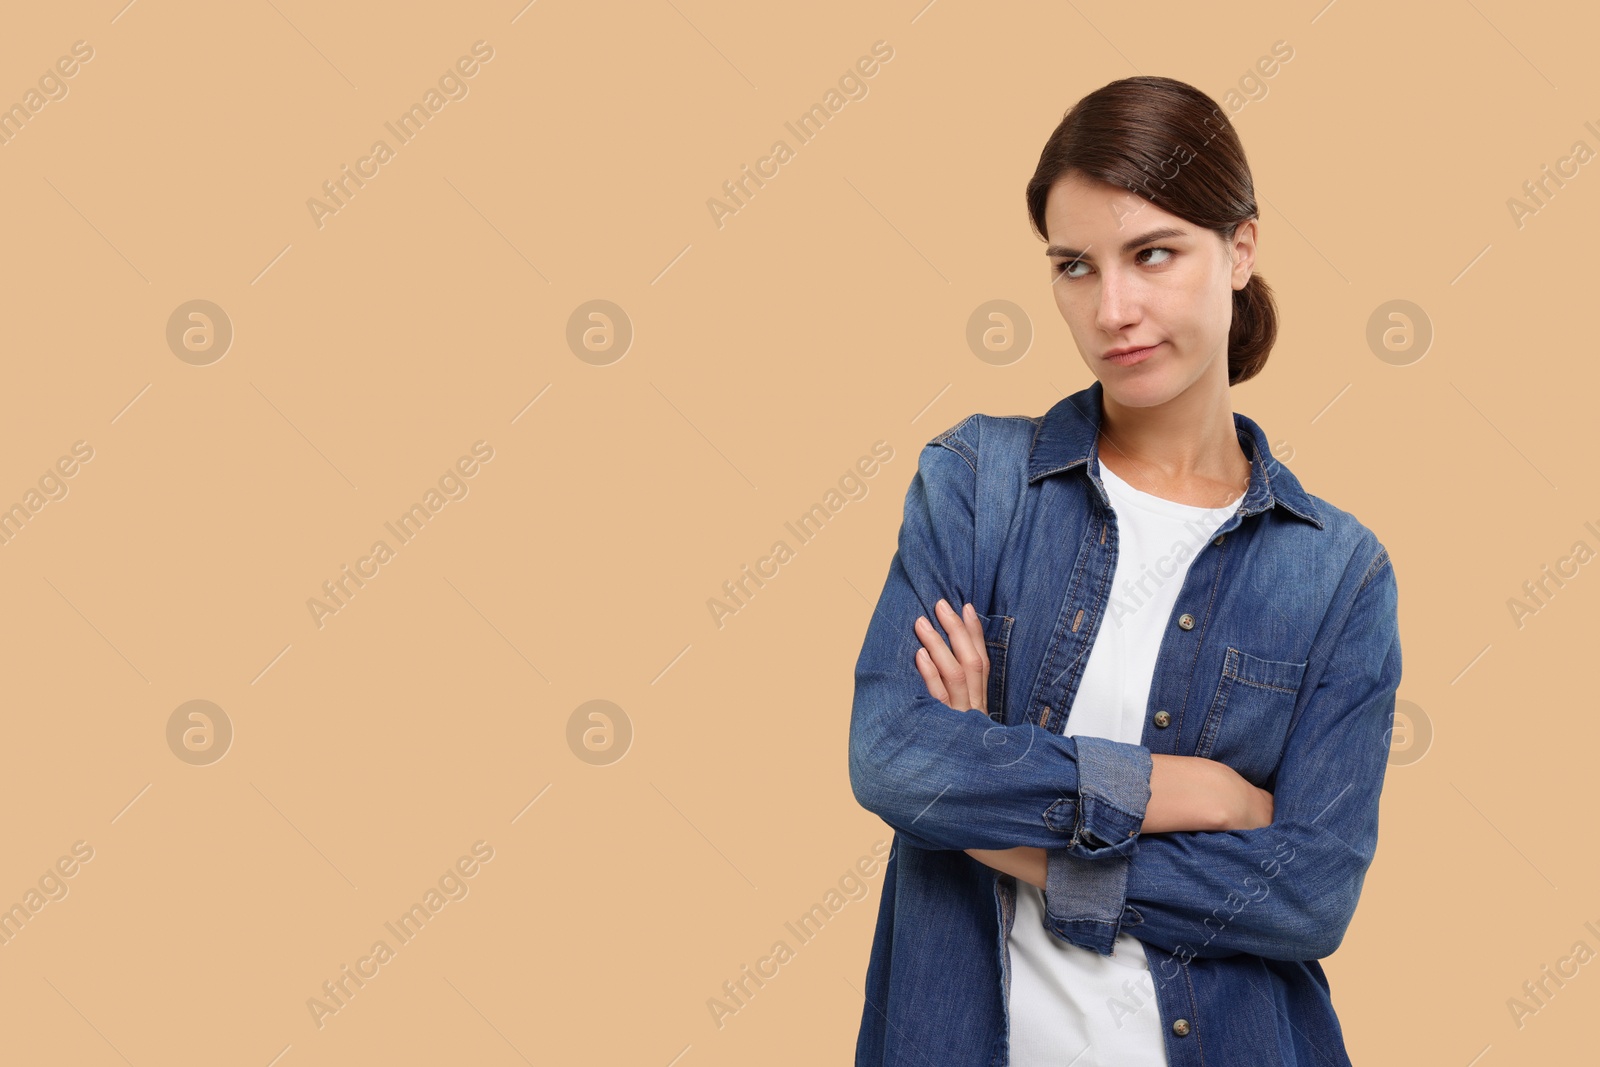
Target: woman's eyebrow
1127 246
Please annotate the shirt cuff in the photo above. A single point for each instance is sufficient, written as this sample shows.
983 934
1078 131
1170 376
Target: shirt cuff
1113 792
1084 900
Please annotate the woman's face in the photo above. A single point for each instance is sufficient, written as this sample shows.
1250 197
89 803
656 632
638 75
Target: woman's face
1125 274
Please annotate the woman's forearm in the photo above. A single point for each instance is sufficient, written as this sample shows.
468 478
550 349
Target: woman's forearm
1024 862
1186 793
1193 793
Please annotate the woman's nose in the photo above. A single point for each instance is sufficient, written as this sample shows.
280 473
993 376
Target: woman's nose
1112 313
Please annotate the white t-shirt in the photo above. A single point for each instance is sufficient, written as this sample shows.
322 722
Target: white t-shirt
1068 1004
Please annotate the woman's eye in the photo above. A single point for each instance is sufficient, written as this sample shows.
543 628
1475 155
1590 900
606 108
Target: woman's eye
1063 269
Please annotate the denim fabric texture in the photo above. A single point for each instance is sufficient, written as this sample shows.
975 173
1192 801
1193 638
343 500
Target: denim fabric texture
1281 659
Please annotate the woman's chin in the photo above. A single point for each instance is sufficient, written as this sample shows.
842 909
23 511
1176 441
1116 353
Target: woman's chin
1135 390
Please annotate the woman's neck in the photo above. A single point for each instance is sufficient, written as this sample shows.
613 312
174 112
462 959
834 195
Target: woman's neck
1177 451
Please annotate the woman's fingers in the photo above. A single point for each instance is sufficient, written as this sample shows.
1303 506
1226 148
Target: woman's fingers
951 672
969 616
979 690
963 664
966 643
930 675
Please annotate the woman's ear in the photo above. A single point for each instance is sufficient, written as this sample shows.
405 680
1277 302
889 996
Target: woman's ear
1242 250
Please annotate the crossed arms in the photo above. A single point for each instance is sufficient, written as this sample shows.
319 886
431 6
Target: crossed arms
1175 852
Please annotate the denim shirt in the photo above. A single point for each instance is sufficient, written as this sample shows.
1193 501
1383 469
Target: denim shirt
1281 658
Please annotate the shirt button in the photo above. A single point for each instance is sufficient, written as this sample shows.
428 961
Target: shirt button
1218 541
1186 621
1181 1027
1163 719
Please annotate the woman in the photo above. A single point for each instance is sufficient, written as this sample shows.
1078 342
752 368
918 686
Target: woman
1184 666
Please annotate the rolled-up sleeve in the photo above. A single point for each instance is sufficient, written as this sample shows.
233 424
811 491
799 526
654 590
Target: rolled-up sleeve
1113 792
1086 885
948 779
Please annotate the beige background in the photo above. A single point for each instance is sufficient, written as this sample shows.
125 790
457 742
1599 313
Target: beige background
432 311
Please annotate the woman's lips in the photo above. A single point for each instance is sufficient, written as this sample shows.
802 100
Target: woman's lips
1138 355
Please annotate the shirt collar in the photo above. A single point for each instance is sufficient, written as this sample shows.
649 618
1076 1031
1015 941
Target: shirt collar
1068 434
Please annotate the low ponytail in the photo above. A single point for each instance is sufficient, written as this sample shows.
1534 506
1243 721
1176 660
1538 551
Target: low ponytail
1254 329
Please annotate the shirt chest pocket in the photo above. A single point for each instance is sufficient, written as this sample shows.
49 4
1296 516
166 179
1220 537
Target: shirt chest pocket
1248 720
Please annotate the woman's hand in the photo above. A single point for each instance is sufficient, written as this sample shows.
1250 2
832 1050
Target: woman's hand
959 676
957 673
1257 809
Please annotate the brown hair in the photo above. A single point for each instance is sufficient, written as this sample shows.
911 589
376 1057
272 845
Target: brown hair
1169 143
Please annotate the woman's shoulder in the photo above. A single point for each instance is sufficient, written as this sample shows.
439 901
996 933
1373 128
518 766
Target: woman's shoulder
1336 527
973 428
1051 440
1357 544
991 439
